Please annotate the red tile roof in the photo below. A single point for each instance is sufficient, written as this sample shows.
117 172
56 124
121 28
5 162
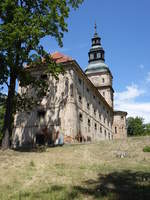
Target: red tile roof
60 58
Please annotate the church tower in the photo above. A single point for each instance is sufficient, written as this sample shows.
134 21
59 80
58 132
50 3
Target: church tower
97 71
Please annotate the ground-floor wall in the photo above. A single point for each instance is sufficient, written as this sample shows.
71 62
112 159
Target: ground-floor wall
65 120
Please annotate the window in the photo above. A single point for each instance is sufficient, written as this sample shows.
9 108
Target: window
104 119
87 89
121 117
88 106
107 122
41 113
91 56
116 130
100 129
98 55
93 96
89 122
100 116
103 80
95 126
105 134
103 93
71 89
80 99
79 81
44 76
80 117
94 112
95 55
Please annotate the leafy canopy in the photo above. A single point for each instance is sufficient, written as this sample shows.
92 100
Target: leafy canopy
136 127
22 24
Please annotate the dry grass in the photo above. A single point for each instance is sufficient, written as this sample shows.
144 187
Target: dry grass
86 171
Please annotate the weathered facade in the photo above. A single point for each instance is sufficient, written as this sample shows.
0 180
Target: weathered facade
79 104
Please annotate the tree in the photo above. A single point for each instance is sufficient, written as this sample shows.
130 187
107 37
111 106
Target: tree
147 129
2 112
135 126
22 24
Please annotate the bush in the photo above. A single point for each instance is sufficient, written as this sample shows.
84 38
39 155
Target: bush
146 149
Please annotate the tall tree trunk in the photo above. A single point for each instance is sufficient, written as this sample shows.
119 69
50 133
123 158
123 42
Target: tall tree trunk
8 120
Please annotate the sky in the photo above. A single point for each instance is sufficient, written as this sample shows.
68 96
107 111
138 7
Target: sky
124 28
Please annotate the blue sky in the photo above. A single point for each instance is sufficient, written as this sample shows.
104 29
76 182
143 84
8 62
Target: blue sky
124 27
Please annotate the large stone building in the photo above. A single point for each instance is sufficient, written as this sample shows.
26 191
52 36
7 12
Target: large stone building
79 105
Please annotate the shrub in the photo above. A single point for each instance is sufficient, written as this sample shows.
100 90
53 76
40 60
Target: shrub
146 149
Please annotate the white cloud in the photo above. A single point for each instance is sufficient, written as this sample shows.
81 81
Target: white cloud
126 101
129 94
136 109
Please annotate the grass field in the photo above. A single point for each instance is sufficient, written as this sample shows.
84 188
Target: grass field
81 171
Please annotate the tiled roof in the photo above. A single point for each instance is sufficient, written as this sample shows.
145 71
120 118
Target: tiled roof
60 58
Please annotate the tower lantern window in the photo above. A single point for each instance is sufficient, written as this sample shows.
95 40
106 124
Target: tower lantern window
99 55
91 56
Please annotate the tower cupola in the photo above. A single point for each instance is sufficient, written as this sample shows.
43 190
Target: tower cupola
97 71
96 52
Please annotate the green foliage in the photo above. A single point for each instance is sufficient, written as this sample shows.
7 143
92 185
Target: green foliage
135 126
146 149
22 24
147 129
